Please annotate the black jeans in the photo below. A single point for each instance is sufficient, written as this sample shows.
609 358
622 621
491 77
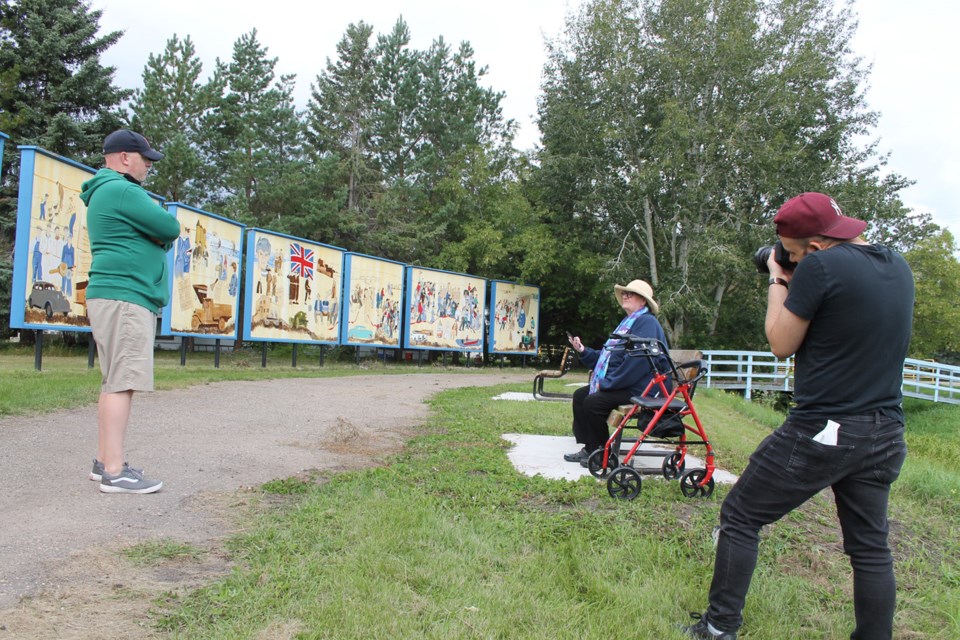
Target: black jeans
590 411
786 470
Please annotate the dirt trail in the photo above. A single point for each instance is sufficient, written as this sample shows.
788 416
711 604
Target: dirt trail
60 574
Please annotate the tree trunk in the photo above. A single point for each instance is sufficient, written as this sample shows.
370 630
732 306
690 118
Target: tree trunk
649 243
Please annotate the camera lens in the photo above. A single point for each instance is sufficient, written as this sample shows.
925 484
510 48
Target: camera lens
760 259
780 255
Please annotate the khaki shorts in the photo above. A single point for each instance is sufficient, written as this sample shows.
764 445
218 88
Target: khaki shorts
124 333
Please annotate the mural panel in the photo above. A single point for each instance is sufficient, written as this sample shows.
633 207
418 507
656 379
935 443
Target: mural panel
514 318
206 274
372 302
52 251
293 289
444 310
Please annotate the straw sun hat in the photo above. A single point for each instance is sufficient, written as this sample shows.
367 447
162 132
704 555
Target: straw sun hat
640 288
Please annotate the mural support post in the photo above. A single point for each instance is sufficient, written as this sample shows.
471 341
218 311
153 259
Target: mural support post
419 359
263 356
323 349
91 350
183 351
443 355
38 349
216 354
293 360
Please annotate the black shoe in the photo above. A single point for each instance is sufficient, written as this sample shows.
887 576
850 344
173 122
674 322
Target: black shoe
583 454
700 630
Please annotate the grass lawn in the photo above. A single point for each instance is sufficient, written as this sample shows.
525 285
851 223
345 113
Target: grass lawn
449 541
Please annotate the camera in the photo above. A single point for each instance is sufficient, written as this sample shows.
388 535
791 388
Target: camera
780 255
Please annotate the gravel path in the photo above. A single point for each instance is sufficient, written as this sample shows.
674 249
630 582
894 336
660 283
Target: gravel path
204 442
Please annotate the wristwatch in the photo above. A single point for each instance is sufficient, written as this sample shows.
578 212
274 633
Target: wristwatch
779 281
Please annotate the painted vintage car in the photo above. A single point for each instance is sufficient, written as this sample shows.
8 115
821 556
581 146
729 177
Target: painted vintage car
49 298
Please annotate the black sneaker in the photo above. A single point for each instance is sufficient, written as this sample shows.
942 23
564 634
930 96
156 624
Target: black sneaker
703 631
129 480
583 454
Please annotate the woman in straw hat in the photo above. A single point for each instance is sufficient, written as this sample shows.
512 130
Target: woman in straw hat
616 378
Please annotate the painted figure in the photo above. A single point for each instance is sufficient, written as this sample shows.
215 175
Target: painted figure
37 261
232 287
67 262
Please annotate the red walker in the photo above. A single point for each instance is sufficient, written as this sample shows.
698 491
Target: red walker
660 421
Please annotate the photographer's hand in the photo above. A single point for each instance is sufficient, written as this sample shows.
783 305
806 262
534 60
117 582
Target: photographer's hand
777 271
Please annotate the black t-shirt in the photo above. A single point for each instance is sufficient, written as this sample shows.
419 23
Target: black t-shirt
859 300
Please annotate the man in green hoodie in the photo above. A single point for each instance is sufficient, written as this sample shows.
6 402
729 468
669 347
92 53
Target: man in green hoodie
129 284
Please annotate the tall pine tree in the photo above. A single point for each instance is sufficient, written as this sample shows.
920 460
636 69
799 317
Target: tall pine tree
168 110
255 138
54 93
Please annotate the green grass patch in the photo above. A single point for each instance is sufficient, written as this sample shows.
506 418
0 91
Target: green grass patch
449 541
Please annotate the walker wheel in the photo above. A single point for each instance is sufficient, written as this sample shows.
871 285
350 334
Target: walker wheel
624 483
595 464
673 465
690 484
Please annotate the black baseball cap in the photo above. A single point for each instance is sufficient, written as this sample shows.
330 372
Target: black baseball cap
126 140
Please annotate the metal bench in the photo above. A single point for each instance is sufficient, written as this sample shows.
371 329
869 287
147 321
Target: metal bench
566 363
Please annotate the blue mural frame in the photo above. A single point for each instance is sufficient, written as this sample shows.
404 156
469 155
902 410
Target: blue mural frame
166 319
345 306
28 156
248 285
407 327
491 317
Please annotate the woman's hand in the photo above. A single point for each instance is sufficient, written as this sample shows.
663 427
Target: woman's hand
575 343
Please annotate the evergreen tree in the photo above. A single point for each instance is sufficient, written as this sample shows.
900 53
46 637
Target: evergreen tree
168 110
54 93
396 109
254 139
407 130
339 115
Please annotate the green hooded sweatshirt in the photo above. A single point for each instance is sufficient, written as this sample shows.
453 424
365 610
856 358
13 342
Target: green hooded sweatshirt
129 237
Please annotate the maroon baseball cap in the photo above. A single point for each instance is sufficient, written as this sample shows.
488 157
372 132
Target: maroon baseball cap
815 214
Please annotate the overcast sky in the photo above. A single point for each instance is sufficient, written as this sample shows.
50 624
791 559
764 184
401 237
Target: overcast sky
912 45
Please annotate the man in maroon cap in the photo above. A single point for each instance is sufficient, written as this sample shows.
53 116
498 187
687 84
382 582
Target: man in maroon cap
846 312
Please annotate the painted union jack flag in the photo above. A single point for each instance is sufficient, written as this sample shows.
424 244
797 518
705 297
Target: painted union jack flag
301 261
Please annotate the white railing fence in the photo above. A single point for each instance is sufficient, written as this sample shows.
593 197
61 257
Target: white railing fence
762 371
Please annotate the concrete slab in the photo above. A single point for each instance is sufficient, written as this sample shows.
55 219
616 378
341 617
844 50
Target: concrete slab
535 455
516 396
